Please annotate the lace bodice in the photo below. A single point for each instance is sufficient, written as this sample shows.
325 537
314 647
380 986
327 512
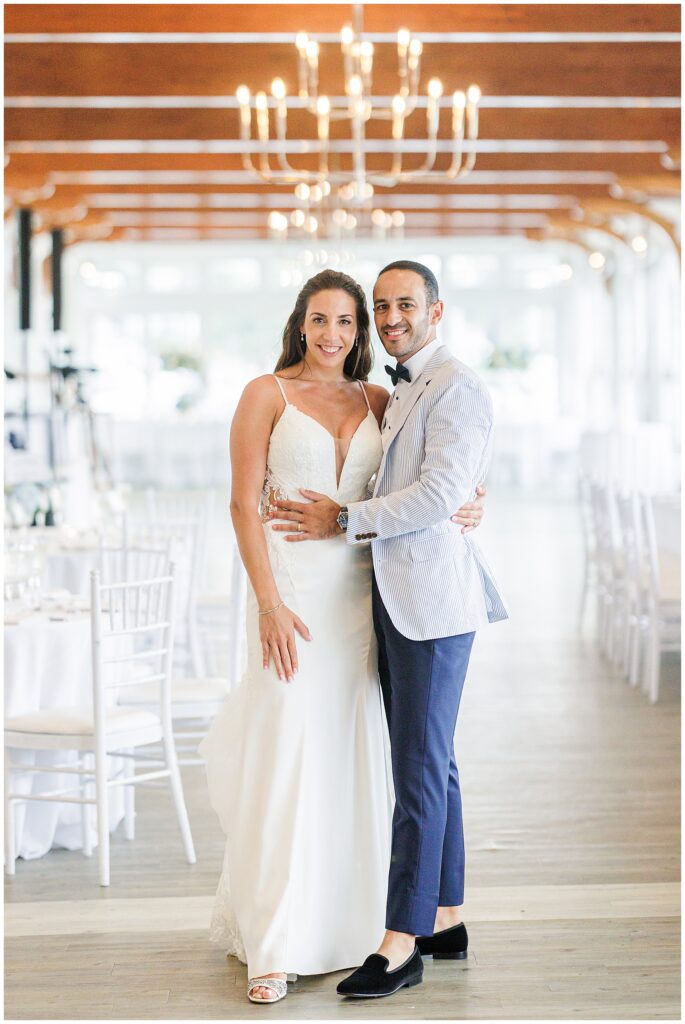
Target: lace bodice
302 454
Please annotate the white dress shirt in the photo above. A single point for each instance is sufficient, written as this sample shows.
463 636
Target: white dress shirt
397 399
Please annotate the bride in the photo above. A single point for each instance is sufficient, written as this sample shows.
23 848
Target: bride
296 758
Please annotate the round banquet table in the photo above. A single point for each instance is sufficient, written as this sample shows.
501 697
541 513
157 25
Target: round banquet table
65 556
48 666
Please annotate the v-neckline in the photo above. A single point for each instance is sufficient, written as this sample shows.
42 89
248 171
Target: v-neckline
332 436
369 412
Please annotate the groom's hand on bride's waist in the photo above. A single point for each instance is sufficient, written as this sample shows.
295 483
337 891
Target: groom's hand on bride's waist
315 520
318 518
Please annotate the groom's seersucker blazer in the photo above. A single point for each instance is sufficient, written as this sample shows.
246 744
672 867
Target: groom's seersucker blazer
433 580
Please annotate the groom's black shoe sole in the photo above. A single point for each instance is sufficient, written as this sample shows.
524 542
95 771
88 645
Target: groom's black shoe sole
451 944
373 980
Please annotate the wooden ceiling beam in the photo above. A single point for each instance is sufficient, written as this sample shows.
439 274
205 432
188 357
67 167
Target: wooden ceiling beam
617 163
41 188
80 203
607 208
565 223
667 185
40 18
196 69
198 234
554 235
556 123
47 220
244 193
67 205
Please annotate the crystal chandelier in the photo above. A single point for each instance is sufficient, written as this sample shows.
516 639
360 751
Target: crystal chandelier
354 187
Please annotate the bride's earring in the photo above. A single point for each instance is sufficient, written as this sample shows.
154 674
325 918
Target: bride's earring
303 340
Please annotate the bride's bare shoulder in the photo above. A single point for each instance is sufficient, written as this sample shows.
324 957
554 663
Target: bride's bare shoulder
264 383
261 389
260 400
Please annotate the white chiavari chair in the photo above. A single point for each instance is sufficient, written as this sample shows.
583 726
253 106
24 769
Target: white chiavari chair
590 582
634 603
663 604
195 696
174 506
219 613
126 564
123 618
608 581
183 537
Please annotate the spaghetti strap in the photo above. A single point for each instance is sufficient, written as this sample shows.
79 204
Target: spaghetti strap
361 385
280 388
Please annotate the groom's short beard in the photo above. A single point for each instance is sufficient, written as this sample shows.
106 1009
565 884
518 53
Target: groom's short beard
415 340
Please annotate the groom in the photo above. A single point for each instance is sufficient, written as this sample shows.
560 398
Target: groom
431 590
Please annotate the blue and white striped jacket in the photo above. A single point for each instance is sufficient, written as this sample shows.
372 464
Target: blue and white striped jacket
433 580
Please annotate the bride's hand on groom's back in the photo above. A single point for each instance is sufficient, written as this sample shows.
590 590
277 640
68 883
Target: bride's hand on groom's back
277 634
470 515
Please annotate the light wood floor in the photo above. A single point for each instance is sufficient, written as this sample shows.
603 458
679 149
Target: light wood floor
571 802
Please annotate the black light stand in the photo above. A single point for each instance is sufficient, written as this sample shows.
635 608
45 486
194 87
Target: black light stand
25 216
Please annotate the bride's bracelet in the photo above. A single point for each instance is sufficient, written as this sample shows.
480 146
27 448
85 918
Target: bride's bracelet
270 610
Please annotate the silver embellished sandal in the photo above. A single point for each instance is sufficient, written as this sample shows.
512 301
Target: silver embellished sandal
277 985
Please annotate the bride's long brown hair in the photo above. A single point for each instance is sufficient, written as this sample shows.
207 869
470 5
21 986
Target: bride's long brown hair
360 359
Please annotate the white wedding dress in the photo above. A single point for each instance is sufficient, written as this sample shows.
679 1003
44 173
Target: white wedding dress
297 771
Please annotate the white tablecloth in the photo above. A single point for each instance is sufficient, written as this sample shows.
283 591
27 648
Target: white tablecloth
48 665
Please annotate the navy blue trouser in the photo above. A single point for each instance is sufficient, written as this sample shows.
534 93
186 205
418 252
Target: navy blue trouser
422 682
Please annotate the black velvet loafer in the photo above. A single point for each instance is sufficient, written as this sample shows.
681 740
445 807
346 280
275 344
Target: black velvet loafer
450 944
373 979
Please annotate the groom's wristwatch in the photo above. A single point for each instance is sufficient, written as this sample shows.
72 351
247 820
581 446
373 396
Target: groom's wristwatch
342 519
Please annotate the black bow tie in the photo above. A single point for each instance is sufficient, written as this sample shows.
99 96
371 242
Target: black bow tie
399 373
